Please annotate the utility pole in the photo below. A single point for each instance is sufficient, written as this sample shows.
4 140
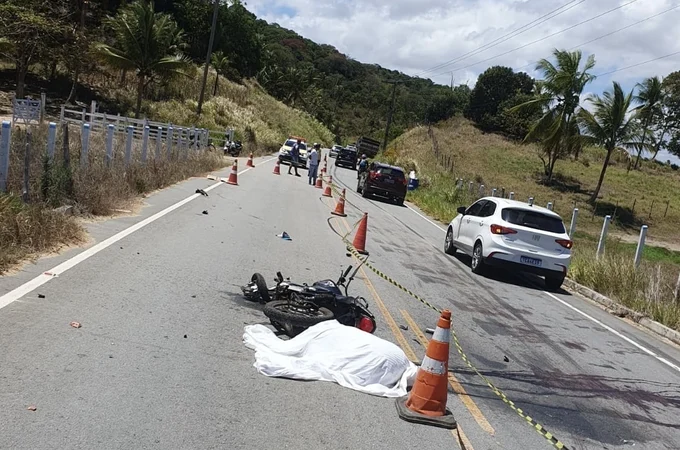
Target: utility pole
207 58
389 115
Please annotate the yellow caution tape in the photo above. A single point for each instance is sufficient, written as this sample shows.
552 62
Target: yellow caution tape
537 426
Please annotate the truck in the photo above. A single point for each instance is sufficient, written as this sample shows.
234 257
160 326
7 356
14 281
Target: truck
368 146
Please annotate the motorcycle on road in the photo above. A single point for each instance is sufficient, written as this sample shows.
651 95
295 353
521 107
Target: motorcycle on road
292 308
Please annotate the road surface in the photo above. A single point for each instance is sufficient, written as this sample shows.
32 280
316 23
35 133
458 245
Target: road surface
159 361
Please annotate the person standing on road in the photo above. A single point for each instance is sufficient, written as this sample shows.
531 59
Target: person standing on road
295 157
363 165
314 163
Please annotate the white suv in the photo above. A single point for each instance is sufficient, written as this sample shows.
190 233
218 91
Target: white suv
512 234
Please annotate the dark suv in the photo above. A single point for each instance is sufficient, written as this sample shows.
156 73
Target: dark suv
347 158
383 180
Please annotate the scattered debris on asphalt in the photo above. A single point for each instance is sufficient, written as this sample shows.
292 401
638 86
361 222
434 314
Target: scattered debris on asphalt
41 296
50 274
404 327
193 296
32 408
202 192
185 336
429 330
205 212
505 358
75 324
285 236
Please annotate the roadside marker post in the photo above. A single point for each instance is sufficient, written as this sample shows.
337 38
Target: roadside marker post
550 206
493 192
511 196
572 226
531 201
603 236
481 190
51 139
128 144
641 247
85 145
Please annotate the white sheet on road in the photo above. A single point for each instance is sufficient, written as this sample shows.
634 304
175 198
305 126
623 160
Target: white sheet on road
330 351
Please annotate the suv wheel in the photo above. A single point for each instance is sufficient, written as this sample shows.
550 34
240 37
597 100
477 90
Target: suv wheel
477 264
449 248
554 283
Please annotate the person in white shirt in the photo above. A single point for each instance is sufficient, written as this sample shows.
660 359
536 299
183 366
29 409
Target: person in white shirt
313 159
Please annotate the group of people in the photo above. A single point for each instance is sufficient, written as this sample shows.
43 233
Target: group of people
313 160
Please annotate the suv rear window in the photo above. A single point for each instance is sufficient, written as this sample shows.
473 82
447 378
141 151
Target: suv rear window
392 172
533 219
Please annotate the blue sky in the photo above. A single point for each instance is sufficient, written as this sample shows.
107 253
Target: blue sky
441 39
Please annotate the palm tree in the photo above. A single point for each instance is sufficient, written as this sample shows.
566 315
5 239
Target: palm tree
220 63
650 97
610 126
559 95
149 43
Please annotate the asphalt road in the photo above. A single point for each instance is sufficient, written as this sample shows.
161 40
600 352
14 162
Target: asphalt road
159 360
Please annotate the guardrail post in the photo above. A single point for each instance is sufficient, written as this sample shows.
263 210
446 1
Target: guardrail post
128 144
194 136
641 247
511 196
159 136
481 190
470 186
85 142
62 113
603 236
43 99
531 201
572 226
51 139
549 206
493 192
27 166
110 129
168 142
145 143
82 118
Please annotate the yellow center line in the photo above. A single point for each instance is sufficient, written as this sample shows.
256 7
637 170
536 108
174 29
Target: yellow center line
458 434
453 381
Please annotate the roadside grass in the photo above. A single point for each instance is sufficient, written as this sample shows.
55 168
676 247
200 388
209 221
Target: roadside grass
496 162
258 119
26 230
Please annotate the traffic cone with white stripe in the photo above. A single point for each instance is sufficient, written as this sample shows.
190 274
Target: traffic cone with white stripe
327 192
233 176
340 207
249 163
277 168
426 403
319 183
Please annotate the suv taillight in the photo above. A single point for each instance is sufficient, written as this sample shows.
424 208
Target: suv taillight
498 229
566 243
372 175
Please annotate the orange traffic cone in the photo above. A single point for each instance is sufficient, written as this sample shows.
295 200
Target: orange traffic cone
319 183
277 168
426 403
250 161
359 242
340 207
233 176
327 192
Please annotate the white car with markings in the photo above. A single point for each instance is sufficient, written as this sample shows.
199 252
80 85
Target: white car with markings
511 234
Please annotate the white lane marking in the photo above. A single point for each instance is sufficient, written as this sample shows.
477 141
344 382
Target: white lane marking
41 279
621 335
433 223
589 317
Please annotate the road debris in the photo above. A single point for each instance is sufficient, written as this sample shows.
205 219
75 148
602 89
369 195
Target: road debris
202 192
285 236
32 408
429 330
205 212
404 327
75 324
41 296
505 358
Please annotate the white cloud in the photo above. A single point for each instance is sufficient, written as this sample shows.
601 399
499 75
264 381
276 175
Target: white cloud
414 35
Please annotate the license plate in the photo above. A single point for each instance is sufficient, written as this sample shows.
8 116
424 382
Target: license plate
530 261
388 181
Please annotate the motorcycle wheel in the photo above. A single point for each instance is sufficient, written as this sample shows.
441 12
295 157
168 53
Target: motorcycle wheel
290 315
261 287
